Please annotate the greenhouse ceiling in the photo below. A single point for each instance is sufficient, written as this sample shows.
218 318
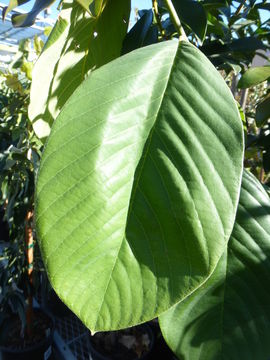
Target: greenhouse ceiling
10 37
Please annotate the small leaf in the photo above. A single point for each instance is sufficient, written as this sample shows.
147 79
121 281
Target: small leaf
254 76
47 30
213 4
12 5
28 19
243 118
27 68
229 316
138 186
247 44
38 45
135 38
14 83
263 111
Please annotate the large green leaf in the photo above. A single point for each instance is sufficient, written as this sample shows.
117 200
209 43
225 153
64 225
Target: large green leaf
254 76
81 43
138 186
229 316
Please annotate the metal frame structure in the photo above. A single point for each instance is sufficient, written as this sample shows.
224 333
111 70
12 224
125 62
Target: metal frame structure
10 37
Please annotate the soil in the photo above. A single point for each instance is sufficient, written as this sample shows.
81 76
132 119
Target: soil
42 326
132 343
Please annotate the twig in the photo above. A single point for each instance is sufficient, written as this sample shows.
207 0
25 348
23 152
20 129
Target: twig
157 16
240 7
30 255
262 175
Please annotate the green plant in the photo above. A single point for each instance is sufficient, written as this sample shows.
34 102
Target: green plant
19 160
137 200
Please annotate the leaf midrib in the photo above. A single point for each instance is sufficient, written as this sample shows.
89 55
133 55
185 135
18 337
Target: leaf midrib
149 139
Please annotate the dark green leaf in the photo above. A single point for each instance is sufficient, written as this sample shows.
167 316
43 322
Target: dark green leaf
245 45
263 111
263 6
266 160
135 38
229 316
213 4
193 15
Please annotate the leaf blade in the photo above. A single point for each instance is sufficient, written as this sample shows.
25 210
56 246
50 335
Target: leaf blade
79 42
140 135
226 315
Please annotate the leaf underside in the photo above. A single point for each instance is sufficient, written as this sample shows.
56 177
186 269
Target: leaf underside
229 316
142 164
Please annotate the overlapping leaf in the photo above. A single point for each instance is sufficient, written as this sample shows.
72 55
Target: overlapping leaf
141 34
81 44
138 186
229 316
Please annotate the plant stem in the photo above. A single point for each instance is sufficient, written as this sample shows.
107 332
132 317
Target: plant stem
175 19
157 15
262 175
240 7
30 255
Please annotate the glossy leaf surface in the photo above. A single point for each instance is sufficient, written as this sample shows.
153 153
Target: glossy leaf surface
79 42
138 186
229 316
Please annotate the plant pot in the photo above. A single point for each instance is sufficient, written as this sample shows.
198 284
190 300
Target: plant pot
12 347
135 343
